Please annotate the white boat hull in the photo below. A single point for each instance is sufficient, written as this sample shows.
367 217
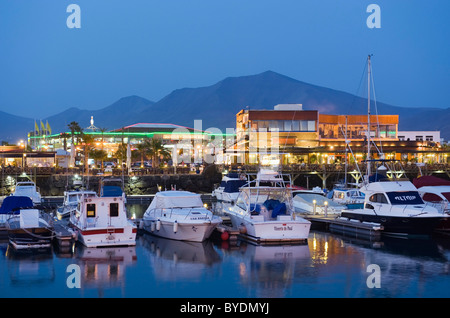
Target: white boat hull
225 196
194 232
283 229
102 237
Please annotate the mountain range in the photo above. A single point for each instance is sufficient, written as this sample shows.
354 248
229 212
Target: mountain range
218 104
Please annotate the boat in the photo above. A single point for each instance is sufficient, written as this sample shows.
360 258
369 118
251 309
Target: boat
398 207
11 205
27 227
70 202
351 198
179 215
314 202
28 189
102 221
228 189
263 211
394 203
435 191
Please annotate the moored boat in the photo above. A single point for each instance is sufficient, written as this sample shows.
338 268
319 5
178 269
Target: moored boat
103 221
228 189
179 215
28 189
70 202
29 228
263 211
398 207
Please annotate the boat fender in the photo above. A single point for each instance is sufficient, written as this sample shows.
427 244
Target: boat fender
141 225
175 227
158 225
152 226
225 236
242 229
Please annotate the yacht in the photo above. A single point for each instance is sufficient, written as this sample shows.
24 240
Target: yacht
70 202
351 198
263 211
28 189
314 202
435 191
179 215
28 228
102 221
398 207
229 187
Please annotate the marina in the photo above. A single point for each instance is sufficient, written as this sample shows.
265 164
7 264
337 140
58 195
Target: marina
327 265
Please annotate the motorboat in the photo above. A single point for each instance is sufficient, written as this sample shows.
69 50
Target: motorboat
11 205
179 215
398 207
102 221
28 189
435 191
314 202
228 189
70 202
28 228
263 211
352 198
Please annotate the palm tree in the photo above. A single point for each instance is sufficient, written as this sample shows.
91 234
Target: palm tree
121 154
157 150
88 144
102 130
98 154
64 136
74 128
143 149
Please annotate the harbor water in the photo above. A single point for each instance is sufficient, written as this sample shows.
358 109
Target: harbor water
327 266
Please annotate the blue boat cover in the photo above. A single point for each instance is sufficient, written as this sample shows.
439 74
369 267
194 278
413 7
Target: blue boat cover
13 204
234 185
112 191
280 209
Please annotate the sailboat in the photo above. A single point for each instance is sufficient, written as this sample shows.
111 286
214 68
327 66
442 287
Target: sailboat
394 204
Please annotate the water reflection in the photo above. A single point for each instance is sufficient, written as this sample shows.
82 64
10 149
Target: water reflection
104 267
174 260
30 267
269 271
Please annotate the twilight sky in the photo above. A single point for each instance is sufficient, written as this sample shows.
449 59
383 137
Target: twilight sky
152 47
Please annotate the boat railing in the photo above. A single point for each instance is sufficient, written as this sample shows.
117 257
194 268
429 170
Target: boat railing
168 212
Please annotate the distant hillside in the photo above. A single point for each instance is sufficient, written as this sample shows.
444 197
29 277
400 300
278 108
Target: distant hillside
218 104
121 113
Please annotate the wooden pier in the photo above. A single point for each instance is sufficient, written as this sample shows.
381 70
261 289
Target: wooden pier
345 226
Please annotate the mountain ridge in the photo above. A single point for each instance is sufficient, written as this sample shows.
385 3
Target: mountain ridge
218 104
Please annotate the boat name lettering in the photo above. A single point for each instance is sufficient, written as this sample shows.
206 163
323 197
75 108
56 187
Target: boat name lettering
282 228
405 197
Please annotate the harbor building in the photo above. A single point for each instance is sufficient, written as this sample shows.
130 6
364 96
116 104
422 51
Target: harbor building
288 134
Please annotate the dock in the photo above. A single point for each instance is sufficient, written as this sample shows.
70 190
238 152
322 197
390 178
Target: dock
345 226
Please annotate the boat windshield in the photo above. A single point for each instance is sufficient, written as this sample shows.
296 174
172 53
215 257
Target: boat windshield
311 197
255 197
406 197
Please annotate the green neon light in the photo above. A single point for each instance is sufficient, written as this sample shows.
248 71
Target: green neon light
125 134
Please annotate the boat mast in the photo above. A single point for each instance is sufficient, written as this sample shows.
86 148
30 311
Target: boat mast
368 117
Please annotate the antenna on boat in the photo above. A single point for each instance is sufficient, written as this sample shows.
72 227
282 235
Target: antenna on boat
368 115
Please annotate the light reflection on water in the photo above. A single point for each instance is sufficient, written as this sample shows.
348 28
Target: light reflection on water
328 265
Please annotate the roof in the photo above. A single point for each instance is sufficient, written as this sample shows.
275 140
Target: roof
176 199
150 127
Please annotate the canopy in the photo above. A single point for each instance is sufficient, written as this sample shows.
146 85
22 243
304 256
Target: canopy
176 199
429 181
111 191
15 203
